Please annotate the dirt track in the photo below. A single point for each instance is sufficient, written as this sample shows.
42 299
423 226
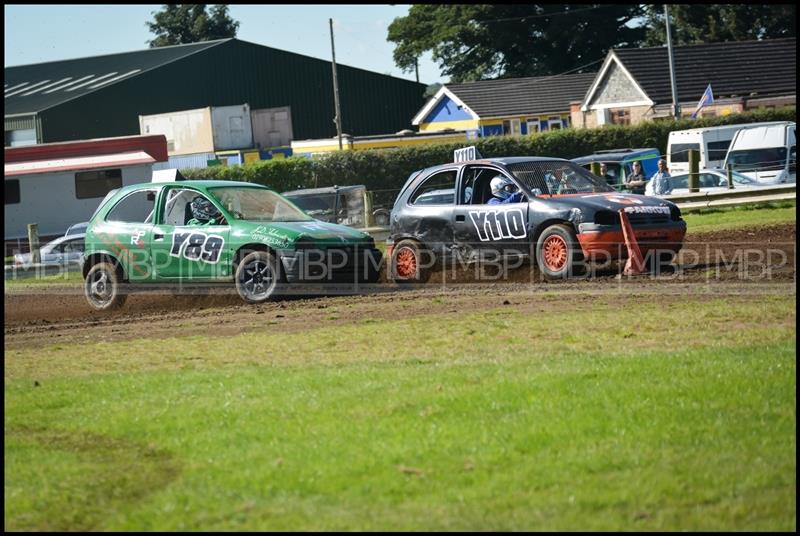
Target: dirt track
708 264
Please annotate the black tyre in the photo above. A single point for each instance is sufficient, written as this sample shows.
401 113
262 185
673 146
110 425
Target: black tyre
103 287
410 263
258 276
558 253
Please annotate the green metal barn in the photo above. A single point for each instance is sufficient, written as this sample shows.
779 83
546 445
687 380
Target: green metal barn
103 96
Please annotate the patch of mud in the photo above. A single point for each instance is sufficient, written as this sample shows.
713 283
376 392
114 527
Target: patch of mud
749 261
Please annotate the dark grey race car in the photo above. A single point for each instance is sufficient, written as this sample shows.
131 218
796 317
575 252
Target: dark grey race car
567 216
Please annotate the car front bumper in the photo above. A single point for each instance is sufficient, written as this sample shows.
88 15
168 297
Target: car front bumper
352 264
608 241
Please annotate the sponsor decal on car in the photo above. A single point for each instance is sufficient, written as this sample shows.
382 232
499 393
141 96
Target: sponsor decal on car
136 238
269 236
647 210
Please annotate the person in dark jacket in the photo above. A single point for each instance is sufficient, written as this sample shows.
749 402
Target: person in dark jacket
636 182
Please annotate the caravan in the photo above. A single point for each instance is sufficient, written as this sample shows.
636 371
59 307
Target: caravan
712 142
767 154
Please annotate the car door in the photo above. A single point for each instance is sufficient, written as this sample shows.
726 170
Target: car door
186 252
428 215
127 230
481 229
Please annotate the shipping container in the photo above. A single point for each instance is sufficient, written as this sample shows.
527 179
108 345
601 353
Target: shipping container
203 130
232 127
188 131
272 127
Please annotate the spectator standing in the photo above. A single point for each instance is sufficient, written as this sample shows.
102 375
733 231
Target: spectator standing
635 182
662 185
610 179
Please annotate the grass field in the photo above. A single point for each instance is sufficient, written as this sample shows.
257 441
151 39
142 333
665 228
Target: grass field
720 219
554 412
642 418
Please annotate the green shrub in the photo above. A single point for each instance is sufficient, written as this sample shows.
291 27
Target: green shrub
388 169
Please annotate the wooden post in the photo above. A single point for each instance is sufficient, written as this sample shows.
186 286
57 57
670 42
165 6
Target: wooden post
33 242
694 170
367 209
730 176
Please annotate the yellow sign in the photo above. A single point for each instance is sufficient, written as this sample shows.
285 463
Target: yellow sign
251 157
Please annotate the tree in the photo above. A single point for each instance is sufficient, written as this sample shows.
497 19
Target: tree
474 41
713 23
431 90
177 24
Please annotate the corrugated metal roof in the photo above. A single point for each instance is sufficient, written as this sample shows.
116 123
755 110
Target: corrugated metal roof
743 68
36 87
523 96
216 73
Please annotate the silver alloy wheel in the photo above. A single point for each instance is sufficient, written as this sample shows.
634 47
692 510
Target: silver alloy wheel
257 280
100 289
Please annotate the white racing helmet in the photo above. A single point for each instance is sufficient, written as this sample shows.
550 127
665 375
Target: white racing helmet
502 187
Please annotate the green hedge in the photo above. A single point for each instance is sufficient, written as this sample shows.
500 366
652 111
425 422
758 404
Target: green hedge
388 169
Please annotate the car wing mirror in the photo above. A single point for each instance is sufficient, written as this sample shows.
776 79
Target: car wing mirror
536 192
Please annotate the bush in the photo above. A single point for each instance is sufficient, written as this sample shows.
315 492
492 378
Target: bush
388 169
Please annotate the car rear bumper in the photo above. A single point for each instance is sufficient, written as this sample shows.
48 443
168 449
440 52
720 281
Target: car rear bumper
608 241
339 265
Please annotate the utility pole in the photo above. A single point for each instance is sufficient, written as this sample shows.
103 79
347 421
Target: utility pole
416 68
338 118
676 107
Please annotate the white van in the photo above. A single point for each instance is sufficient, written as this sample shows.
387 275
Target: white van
712 142
767 154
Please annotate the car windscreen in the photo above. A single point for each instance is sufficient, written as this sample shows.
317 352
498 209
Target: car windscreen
257 204
738 178
557 178
769 158
315 204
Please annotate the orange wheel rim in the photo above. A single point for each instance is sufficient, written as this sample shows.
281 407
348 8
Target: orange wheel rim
555 253
406 262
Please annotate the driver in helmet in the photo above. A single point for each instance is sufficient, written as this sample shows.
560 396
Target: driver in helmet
504 191
203 212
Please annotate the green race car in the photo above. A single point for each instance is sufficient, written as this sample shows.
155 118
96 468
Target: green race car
216 231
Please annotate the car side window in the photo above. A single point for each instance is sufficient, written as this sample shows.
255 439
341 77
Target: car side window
136 207
438 189
177 208
474 185
680 181
74 246
708 180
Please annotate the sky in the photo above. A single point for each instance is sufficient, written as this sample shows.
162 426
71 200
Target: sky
40 33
